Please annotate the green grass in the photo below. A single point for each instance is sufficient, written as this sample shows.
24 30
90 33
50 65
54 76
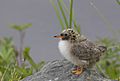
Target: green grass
63 9
118 2
63 14
71 12
10 58
110 65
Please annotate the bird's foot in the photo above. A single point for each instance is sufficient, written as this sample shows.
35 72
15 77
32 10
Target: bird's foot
78 71
75 67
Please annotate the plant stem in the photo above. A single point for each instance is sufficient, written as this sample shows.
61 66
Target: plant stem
16 54
71 8
22 35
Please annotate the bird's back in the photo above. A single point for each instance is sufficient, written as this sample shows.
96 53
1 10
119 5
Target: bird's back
88 51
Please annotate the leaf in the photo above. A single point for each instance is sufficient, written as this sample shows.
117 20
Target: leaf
118 2
26 26
16 27
24 71
40 65
21 27
9 55
5 72
29 59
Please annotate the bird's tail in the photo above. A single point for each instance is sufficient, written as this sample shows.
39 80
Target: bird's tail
102 48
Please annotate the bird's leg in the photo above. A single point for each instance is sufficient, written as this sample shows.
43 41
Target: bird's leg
78 70
75 67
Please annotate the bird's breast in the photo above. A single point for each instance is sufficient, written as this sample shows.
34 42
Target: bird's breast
64 47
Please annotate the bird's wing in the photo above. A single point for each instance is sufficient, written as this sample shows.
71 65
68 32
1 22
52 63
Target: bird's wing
86 50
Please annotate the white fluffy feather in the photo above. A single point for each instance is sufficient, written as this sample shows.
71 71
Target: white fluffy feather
64 47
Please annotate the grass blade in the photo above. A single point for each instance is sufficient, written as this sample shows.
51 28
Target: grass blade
63 13
71 8
5 72
118 1
41 64
58 14
100 69
76 26
66 9
105 20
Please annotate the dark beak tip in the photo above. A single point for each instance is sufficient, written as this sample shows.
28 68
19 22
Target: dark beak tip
54 36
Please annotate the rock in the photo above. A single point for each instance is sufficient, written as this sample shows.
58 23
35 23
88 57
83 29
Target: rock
61 71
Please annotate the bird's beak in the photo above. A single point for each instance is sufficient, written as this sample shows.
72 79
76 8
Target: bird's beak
58 36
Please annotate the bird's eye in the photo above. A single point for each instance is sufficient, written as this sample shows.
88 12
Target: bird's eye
61 34
65 34
72 31
73 36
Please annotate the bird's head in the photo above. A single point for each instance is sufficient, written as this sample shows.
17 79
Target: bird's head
68 34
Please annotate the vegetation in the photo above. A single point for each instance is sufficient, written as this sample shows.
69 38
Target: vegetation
16 64
118 2
109 66
63 20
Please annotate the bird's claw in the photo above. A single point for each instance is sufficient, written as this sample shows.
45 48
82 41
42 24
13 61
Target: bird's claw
78 71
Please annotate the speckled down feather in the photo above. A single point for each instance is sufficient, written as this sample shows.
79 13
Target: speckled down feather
88 51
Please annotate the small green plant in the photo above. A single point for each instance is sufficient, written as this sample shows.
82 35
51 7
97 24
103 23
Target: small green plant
109 66
21 29
10 68
118 2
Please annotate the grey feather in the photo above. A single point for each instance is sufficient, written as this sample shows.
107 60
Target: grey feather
88 51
